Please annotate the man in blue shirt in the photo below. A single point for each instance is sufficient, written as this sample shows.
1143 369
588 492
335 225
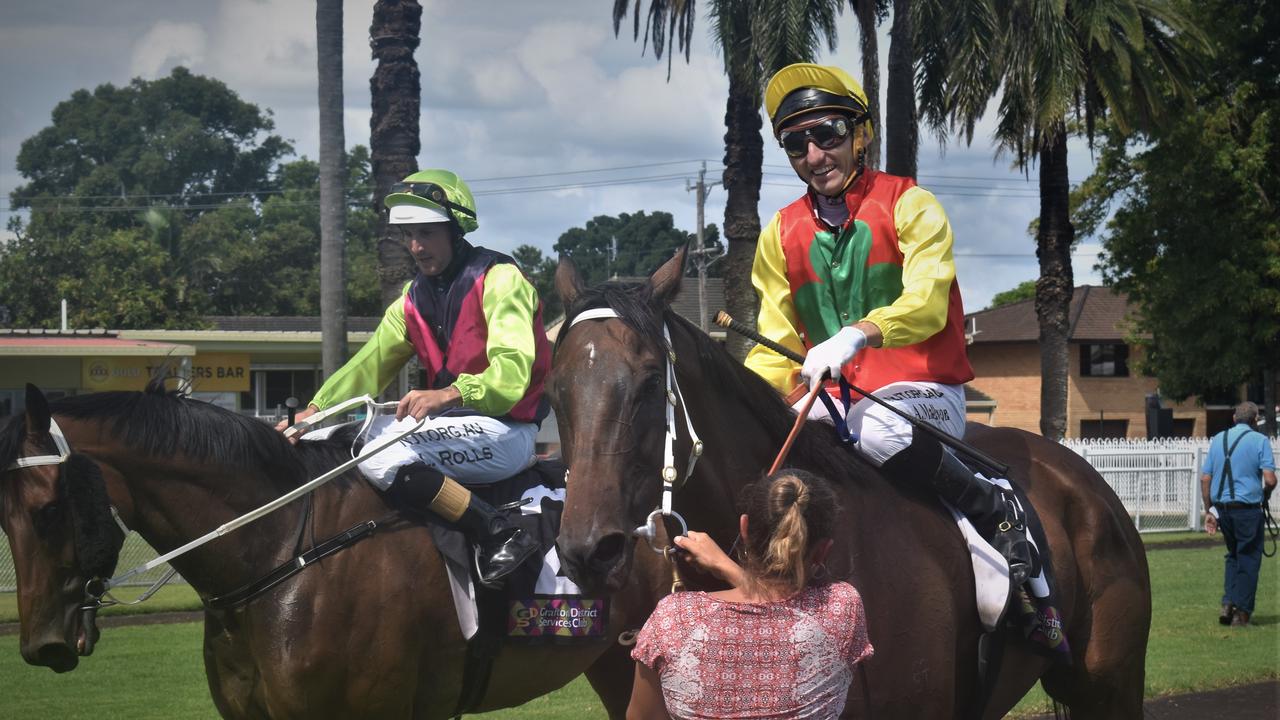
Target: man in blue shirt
1231 485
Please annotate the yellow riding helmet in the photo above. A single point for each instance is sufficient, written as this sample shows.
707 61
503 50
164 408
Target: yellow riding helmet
804 87
432 196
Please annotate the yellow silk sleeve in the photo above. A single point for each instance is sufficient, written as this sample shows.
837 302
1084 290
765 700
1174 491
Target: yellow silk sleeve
509 305
777 319
375 365
928 269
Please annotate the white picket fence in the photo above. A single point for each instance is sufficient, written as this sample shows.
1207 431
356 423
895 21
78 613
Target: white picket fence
1157 480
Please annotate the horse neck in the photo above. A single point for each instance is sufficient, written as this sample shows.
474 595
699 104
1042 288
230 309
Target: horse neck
170 501
737 446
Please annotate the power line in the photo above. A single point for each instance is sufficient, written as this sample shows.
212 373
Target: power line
582 172
316 203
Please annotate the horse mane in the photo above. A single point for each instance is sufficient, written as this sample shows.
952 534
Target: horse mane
164 423
816 448
632 301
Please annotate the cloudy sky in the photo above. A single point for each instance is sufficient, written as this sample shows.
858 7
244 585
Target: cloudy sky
551 118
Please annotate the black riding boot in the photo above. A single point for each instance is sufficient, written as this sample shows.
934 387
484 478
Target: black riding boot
992 509
501 546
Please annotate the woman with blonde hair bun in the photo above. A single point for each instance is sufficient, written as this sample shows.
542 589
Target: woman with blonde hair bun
781 642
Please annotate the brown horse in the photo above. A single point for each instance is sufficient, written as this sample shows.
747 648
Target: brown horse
369 632
898 546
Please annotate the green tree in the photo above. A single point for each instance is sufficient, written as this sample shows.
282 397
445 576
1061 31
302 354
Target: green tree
756 38
1052 60
182 140
1195 238
628 245
1025 290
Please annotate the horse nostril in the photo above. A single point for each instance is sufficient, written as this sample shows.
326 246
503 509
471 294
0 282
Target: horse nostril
606 554
55 656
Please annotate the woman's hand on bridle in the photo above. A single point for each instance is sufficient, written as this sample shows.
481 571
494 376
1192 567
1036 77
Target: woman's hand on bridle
704 554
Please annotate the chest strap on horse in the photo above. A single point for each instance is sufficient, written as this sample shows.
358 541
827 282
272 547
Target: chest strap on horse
329 546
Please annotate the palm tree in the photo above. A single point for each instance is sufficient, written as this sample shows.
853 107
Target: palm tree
1053 61
869 13
901 134
396 91
333 206
756 38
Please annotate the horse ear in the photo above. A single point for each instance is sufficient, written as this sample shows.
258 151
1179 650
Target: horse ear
666 281
568 281
37 411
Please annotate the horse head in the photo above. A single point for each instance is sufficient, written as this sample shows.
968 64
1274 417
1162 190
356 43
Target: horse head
609 391
55 512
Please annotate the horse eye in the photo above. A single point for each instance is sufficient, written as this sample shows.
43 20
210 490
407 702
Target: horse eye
654 383
47 519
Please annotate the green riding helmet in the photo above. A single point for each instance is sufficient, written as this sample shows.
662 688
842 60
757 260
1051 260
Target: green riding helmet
432 196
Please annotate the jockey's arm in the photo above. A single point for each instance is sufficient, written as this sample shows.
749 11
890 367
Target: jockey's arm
372 369
928 270
509 304
777 320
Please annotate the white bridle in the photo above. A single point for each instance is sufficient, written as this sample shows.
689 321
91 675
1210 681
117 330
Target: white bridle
649 529
60 440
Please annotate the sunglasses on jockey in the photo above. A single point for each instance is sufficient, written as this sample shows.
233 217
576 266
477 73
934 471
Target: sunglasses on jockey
826 134
432 192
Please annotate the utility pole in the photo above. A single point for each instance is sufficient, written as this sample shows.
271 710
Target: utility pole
700 253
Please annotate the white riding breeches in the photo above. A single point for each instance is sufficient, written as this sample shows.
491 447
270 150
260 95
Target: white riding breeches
882 433
472 449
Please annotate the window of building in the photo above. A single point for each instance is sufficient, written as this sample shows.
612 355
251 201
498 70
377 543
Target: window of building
14 401
1184 427
269 388
1090 429
1111 360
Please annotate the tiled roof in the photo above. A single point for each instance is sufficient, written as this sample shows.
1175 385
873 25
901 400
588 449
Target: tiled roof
1095 314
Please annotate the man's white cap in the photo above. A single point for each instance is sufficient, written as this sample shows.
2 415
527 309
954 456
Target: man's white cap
413 214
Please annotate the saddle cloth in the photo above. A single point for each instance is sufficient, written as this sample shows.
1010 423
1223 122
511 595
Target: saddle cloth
538 600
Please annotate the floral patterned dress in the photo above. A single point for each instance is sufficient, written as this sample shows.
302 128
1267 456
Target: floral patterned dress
789 658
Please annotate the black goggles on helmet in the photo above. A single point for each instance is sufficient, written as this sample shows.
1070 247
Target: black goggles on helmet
826 134
432 192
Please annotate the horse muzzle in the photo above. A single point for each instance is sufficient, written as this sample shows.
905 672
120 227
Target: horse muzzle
600 565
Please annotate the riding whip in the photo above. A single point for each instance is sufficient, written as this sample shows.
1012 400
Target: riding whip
724 320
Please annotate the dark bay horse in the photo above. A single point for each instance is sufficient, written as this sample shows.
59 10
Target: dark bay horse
368 632
898 546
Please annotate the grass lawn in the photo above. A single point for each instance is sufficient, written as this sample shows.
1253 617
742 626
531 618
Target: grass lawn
156 671
168 599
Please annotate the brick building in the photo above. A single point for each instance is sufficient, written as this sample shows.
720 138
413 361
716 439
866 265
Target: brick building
1106 394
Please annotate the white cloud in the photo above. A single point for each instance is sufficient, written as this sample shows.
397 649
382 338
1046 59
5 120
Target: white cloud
508 88
165 45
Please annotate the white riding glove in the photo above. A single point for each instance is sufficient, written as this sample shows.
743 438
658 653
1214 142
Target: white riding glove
827 357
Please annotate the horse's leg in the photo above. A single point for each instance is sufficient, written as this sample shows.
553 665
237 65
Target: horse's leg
234 681
1112 616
